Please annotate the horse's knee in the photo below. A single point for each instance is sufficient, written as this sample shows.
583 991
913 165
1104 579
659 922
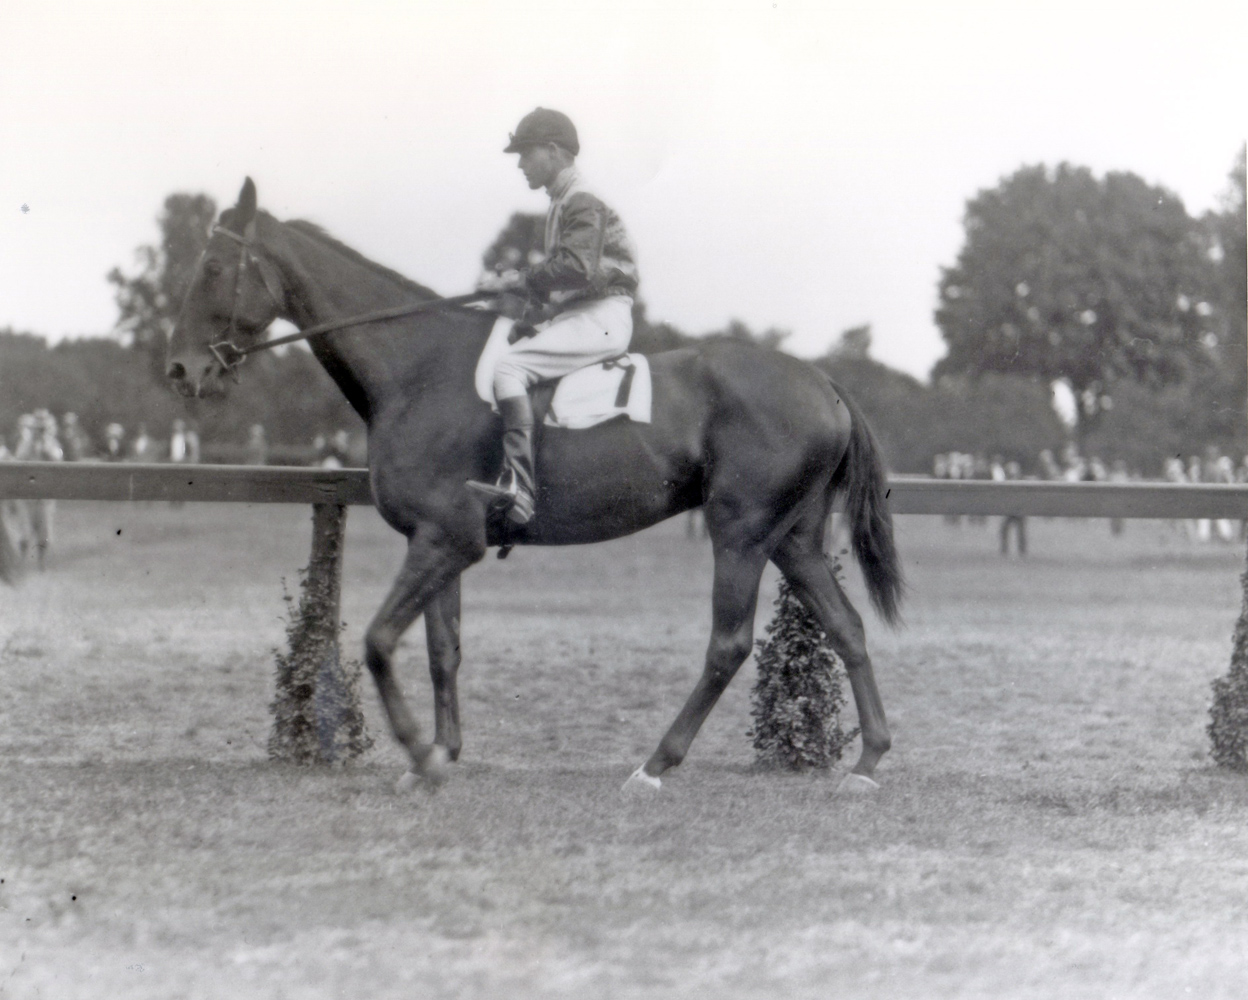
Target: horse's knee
727 652
380 643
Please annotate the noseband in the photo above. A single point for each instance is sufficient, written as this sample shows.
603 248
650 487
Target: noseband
230 356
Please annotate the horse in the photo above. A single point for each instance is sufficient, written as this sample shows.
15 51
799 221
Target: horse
763 442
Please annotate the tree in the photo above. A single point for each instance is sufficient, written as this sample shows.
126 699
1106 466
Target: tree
854 343
1226 394
520 244
148 302
1064 276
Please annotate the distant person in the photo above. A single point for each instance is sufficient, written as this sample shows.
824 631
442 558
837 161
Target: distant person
340 448
183 449
1220 469
326 454
320 452
26 438
114 443
1074 466
1176 473
143 448
980 468
74 440
183 443
1016 523
257 451
1049 469
946 467
14 529
1118 474
40 443
1201 527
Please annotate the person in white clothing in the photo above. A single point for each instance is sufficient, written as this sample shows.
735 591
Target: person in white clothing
578 300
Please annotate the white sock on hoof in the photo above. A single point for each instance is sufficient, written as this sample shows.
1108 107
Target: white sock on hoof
437 766
857 784
409 782
640 781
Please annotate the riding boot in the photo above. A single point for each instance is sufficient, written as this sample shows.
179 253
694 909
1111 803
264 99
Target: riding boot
515 488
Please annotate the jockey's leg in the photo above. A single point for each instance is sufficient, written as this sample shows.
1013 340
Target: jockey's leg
584 335
516 487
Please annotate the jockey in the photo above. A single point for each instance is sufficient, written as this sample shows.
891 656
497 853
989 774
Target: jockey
578 300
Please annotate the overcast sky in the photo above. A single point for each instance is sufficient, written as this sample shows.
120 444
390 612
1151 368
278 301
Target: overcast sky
792 164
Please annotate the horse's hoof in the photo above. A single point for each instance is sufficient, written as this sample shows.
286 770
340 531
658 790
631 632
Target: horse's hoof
857 784
436 767
431 773
640 783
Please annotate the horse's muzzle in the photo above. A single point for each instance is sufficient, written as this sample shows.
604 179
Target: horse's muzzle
207 384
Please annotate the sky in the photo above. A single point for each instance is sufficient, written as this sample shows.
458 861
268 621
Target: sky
789 164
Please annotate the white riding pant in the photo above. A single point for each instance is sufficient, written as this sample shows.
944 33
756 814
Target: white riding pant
584 334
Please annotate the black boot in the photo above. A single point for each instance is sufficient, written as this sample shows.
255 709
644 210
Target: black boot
515 488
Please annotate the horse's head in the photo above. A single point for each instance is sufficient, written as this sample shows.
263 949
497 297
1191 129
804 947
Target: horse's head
233 297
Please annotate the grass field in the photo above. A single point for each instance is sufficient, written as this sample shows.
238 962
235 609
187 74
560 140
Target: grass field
1049 823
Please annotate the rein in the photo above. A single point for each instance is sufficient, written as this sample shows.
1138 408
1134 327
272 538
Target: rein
229 355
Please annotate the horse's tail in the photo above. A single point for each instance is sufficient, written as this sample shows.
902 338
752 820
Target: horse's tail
861 478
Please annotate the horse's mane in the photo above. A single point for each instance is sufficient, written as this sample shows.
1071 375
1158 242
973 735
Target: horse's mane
311 229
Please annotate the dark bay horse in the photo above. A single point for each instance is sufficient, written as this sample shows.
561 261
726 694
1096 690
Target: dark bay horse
760 440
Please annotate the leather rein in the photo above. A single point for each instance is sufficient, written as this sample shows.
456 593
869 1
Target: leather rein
230 356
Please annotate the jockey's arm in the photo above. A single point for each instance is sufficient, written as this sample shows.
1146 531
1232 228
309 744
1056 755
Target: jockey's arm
573 263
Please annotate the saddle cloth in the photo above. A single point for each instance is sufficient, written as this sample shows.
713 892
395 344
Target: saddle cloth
586 397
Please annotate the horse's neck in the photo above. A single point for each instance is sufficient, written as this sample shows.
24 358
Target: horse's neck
323 285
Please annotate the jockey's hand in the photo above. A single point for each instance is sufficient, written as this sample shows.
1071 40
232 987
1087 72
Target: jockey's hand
514 306
521 331
502 281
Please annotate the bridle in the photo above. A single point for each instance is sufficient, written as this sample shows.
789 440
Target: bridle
230 356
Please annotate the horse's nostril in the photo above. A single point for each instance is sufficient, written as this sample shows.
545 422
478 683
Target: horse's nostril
176 371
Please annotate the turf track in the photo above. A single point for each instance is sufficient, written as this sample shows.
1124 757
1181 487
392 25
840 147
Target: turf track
1049 823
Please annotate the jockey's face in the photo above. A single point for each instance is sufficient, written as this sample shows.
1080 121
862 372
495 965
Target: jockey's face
542 164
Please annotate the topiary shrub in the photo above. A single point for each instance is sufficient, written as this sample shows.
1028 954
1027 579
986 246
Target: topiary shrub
797 699
1228 715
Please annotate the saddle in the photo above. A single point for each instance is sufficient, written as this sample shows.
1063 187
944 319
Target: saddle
618 387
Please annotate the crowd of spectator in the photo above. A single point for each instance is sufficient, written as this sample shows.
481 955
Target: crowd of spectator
41 437
1073 467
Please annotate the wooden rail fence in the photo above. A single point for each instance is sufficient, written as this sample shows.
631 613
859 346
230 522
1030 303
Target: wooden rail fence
317 713
345 487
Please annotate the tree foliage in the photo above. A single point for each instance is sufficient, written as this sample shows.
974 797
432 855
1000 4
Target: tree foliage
1224 393
1092 281
148 301
104 382
521 243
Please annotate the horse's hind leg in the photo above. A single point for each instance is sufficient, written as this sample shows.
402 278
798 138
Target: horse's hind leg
800 558
442 640
734 598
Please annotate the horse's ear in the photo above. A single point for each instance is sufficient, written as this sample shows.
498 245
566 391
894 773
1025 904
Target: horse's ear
245 210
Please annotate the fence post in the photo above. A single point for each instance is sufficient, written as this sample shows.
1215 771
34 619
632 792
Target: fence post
316 711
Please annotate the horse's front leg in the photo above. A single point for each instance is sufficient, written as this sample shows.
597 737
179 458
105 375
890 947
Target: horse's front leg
442 640
435 559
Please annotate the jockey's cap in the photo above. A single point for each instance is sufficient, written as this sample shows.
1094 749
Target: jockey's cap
544 125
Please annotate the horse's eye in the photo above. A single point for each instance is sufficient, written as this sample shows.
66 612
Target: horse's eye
212 267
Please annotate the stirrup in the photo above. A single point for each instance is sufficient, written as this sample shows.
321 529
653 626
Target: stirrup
515 500
499 496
